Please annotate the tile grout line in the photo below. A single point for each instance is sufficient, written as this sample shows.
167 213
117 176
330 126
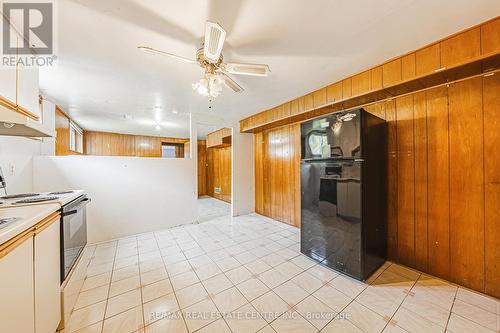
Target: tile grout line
451 310
140 285
109 288
401 304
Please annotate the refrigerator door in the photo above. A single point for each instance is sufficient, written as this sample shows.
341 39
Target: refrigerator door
335 136
331 214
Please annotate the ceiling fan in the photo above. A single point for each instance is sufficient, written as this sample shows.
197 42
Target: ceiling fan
209 57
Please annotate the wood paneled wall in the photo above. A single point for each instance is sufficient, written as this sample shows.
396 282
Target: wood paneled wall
202 167
443 180
218 172
277 173
62 134
115 144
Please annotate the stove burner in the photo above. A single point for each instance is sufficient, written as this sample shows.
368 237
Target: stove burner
18 196
33 200
8 220
62 192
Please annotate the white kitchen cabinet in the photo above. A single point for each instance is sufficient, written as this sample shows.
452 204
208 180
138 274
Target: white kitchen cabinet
47 279
16 289
8 83
28 89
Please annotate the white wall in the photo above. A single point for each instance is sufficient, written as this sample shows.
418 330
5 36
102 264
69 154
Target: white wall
16 161
16 154
243 189
129 195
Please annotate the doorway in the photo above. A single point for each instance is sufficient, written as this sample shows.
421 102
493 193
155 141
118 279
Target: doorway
214 174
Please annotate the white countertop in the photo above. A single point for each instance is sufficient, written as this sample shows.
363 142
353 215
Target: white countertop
29 216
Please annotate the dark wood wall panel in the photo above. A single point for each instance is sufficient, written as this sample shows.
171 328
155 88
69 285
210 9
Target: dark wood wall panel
405 180
202 167
438 183
62 122
392 180
277 173
117 144
420 151
218 172
491 107
467 183
258 148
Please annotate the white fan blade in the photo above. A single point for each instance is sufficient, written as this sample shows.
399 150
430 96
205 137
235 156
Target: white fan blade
230 83
247 69
215 36
151 50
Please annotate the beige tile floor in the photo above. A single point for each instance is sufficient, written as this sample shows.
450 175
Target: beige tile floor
246 274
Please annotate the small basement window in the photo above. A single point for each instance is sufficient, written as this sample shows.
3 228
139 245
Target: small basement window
172 150
75 138
168 151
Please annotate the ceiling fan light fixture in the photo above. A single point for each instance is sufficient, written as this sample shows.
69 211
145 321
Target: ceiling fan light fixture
209 86
209 57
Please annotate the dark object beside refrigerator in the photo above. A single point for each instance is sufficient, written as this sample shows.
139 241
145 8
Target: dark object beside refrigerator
343 192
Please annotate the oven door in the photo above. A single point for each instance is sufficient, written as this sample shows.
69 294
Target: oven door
73 233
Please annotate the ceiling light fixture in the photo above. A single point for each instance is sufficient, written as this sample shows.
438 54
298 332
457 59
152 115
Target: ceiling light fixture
158 127
175 111
209 86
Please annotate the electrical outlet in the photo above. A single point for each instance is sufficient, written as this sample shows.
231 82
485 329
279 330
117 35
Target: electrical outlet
12 169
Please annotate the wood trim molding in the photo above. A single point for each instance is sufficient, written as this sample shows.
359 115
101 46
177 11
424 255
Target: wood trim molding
69 118
7 103
14 242
17 108
45 223
26 113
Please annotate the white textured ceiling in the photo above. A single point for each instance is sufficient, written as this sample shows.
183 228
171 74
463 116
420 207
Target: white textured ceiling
101 76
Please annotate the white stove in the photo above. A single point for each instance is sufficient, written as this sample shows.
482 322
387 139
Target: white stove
25 199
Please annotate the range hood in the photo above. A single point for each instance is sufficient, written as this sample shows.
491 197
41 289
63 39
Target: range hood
13 123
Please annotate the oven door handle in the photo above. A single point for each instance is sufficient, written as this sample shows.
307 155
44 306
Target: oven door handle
74 211
68 213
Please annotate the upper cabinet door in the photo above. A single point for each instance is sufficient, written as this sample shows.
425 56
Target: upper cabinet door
28 89
461 48
490 37
428 59
8 84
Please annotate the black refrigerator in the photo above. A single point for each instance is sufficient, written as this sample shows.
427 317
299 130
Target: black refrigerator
343 192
